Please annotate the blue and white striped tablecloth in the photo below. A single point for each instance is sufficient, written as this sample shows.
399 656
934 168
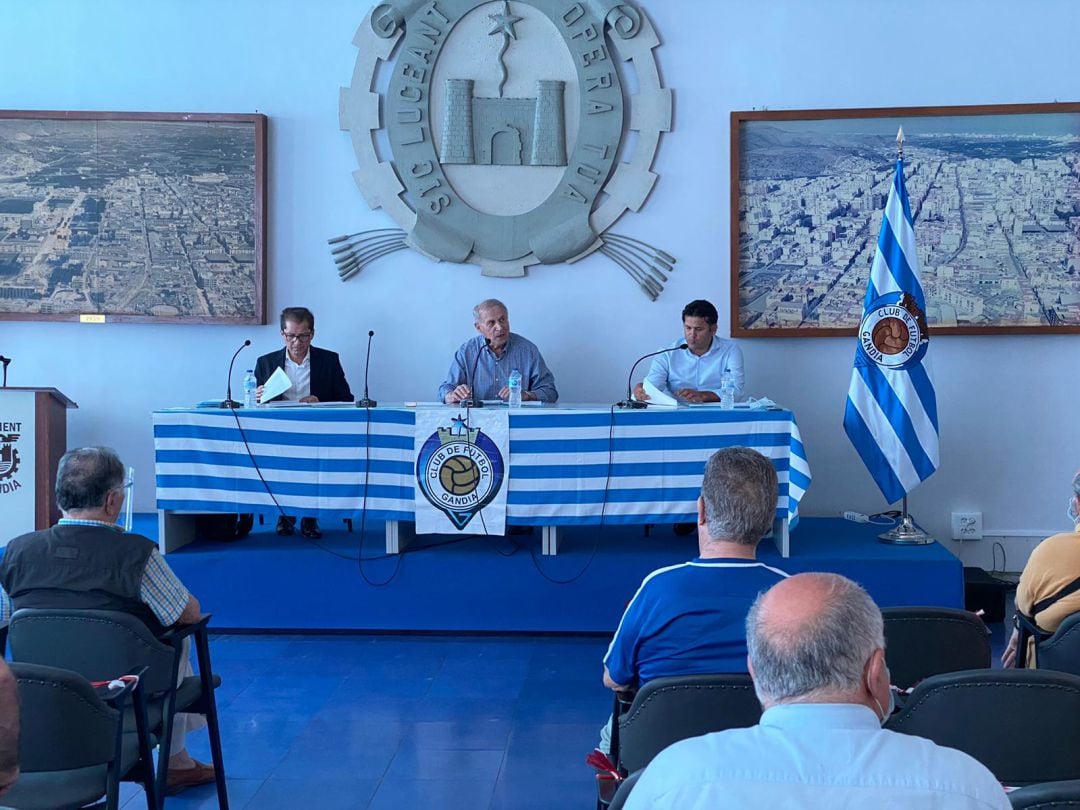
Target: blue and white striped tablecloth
568 465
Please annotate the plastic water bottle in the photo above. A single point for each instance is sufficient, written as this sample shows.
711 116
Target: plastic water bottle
249 389
514 384
727 390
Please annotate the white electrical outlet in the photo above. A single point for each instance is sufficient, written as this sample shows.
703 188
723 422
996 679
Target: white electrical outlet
967 526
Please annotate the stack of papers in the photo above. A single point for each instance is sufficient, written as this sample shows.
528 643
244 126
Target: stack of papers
277 385
657 397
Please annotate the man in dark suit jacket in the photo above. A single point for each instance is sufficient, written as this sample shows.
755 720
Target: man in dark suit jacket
316 373
316 376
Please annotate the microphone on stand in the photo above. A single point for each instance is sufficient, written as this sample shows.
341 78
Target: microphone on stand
630 402
6 361
367 402
472 401
229 402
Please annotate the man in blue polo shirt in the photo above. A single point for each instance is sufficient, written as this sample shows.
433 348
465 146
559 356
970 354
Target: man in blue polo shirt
689 618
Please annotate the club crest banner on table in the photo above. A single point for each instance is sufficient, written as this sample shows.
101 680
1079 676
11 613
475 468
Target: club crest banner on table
462 461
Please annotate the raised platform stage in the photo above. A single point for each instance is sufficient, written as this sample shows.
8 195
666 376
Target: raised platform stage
497 584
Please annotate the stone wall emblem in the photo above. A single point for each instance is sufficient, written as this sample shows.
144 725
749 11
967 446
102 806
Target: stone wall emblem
496 133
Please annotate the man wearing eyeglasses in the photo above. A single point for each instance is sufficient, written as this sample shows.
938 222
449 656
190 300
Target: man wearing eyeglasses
87 562
316 376
315 373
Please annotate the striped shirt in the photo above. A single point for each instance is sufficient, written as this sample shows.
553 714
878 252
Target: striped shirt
493 373
160 589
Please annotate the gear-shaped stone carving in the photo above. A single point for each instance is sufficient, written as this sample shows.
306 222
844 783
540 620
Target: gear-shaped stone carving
409 182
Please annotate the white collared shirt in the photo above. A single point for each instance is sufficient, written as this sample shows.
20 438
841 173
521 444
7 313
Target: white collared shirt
673 371
299 375
815 755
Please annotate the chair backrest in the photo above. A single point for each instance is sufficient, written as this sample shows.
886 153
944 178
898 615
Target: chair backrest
666 710
1061 652
98 644
65 724
1047 796
1021 724
623 793
925 641
71 742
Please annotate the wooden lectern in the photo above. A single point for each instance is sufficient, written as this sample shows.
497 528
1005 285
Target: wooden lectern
33 437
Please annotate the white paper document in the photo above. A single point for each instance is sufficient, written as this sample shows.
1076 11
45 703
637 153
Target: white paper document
658 397
278 384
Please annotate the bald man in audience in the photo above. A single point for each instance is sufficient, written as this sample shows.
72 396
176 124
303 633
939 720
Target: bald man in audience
817 657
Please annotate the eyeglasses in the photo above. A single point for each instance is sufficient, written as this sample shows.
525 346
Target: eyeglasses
303 337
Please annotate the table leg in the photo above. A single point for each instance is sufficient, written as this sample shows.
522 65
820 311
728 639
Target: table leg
780 537
175 529
398 535
550 544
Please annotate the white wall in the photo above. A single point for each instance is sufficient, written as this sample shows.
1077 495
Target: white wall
1008 425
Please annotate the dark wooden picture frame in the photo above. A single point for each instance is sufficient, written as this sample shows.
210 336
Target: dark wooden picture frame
143 217
995 195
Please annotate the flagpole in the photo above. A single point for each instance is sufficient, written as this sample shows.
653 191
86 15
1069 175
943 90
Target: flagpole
891 410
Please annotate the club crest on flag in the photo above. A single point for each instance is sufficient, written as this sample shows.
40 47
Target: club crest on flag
893 332
460 471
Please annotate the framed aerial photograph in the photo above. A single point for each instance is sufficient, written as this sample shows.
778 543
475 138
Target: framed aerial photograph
995 197
151 217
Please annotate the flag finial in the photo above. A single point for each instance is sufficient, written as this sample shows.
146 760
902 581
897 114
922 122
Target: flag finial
900 143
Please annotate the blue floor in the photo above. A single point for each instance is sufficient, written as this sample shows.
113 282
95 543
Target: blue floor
393 722
336 722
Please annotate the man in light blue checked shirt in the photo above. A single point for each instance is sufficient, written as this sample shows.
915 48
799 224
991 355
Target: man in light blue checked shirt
87 562
484 363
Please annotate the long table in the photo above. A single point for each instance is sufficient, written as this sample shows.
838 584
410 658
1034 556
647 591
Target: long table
569 465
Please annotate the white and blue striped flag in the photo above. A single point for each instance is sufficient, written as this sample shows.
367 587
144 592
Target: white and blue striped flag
891 413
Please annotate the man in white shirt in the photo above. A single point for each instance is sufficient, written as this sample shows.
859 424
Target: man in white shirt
694 374
817 658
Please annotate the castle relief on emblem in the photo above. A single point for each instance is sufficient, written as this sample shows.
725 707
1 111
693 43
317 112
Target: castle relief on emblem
501 134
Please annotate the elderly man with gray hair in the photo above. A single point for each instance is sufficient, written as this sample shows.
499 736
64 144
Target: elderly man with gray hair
1049 589
482 365
817 657
87 562
687 619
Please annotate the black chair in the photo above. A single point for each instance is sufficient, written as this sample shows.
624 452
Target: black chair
72 746
925 641
623 793
666 710
1061 651
1021 724
98 644
1047 796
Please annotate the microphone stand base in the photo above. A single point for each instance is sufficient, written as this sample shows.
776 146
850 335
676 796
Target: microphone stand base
366 403
631 404
230 403
471 403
